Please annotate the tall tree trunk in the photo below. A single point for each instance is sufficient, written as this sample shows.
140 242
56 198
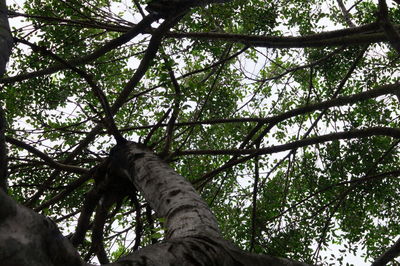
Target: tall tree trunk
5 50
192 236
5 37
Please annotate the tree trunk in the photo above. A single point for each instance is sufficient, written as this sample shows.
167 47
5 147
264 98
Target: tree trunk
5 37
192 235
5 50
28 238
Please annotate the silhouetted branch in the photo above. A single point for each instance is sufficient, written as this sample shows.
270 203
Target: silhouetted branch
49 161
346 14
109 122
3 151
339 101
388 255
124 38
365 34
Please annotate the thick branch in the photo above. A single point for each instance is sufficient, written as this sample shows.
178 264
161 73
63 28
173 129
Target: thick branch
354 36
339 101
358 133
89 204
168 193
191 228
200 251
388 255
346 14
166 8
5 50
131 84
3 151
148 57
351 36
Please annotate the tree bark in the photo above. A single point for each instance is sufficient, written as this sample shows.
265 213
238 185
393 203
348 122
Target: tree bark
5 50
3 151
28 238
192 236
5 37
390 254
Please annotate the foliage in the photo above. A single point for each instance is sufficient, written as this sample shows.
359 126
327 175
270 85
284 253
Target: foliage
306 199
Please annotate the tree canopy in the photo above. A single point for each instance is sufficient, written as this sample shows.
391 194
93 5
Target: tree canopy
283 115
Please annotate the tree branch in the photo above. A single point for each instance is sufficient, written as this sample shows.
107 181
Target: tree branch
393 174
346 14
390 31
69 22
339 101
365 34
176 108
3 151
358 133
139 73
109 121
124 38
148 57
156 126
6 41
46 158
388 255
190 225
29 238
5 50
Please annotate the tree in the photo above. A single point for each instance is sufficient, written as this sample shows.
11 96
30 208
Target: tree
208 132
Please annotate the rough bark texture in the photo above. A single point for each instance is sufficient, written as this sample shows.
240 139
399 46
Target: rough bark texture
5 50
28 238
3 151
190 251
5 37
169 194
388 255
192 234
